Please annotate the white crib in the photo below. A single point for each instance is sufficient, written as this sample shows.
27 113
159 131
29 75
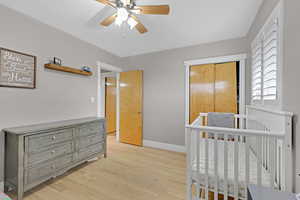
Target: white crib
225 161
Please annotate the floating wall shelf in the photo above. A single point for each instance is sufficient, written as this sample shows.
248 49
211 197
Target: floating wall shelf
68 69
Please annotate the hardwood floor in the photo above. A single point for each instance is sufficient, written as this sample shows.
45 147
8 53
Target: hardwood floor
128 173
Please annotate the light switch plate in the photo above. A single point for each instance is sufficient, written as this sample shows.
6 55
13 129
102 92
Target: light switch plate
92 99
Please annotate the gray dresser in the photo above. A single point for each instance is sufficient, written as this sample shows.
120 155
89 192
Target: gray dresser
37 153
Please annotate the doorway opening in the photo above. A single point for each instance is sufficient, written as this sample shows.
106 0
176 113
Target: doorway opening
106 108
215 85
120 101
111 104
214 88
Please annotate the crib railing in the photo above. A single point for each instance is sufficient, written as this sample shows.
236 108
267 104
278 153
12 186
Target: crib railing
240 148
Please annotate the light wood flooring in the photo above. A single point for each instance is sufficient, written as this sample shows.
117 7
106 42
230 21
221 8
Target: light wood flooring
128 173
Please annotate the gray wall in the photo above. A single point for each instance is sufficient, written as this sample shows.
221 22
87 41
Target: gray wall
291 72
164 86
58 95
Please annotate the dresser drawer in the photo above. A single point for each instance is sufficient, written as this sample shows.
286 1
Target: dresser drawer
63 162
90 140
53 152
91 128
41 172
91 150
36 143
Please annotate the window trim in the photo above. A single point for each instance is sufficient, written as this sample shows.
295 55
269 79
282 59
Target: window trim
277 17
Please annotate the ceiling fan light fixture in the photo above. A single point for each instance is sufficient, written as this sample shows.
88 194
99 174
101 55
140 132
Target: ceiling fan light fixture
122 14
131 22
127 10
118 21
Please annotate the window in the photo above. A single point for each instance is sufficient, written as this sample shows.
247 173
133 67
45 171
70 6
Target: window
265 63
257 70
270 62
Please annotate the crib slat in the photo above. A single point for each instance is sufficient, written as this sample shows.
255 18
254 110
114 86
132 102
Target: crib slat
263 150
225 167
276 162
198 164
272 163
268 153
259 160
236 168
235 122
198 152
216 167
280 159
206 167
188 163
247 164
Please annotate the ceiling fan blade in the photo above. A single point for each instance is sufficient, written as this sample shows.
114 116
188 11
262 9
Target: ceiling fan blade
153 10
140 27
106 2
99 16
109 20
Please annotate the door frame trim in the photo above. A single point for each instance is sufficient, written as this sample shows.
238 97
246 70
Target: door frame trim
115 71
213 60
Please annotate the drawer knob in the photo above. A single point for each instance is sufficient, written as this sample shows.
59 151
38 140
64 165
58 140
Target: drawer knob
53 152
53 138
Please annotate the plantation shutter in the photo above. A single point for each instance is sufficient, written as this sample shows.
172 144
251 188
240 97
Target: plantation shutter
257 69
270 61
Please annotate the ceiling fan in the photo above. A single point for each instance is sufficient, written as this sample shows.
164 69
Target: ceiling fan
126 10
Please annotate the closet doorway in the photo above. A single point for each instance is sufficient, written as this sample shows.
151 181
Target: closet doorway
215 85
111 105
213 88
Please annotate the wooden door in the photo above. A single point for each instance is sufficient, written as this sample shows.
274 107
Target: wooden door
226 88
213 88
131 98
110 104
201 90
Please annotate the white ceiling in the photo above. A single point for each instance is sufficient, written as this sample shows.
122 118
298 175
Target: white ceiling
191 22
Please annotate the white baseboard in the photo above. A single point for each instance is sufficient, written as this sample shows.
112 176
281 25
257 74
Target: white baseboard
164 146
1 186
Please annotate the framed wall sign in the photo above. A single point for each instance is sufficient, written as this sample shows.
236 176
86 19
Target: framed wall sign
17 69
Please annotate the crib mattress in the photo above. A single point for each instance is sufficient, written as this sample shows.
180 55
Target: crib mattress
266 177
